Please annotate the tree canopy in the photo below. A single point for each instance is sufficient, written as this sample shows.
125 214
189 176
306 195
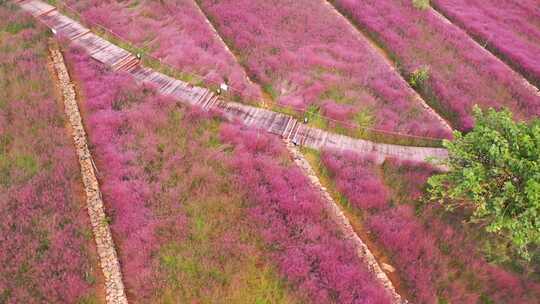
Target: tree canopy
494 172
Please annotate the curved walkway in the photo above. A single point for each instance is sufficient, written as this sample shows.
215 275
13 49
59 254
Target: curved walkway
277 123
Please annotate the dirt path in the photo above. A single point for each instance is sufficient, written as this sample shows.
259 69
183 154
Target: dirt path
114 287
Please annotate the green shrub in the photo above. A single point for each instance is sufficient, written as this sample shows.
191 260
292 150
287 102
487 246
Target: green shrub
418 78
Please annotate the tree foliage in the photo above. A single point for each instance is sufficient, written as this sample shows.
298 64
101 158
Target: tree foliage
494 172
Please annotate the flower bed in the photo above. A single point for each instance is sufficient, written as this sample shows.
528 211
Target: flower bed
174 31
289 212
510 29
176 214
47 250
459 72
308 58
437 259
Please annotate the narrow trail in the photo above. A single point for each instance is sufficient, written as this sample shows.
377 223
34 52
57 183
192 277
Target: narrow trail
280 124
343 223
110 266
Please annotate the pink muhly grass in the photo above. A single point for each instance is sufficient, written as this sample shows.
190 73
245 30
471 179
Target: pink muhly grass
461 73
174 31
511 30
46 245
354 177
310 62
124 191
290 215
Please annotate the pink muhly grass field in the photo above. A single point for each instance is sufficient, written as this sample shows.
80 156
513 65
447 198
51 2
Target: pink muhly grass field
306 55
435 259
125 190
125 125
47 252
170 196
289 212
174 31
510 28
461 73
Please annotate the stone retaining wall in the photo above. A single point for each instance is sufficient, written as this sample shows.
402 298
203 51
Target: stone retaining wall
114 287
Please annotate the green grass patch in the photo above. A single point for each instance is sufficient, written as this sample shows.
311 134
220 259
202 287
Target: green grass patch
365 118
89 299
25 165
270 90
421 4
419 77
206 267
336 94
315 118
16 27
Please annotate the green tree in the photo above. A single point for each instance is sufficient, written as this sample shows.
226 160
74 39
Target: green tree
494 173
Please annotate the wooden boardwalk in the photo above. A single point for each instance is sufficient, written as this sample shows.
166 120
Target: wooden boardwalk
280 124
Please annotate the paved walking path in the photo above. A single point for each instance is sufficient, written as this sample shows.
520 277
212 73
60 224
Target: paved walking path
277 123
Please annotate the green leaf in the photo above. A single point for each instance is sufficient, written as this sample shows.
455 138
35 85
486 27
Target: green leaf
495 172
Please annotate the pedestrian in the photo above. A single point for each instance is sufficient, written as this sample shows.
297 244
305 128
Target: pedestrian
224 87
